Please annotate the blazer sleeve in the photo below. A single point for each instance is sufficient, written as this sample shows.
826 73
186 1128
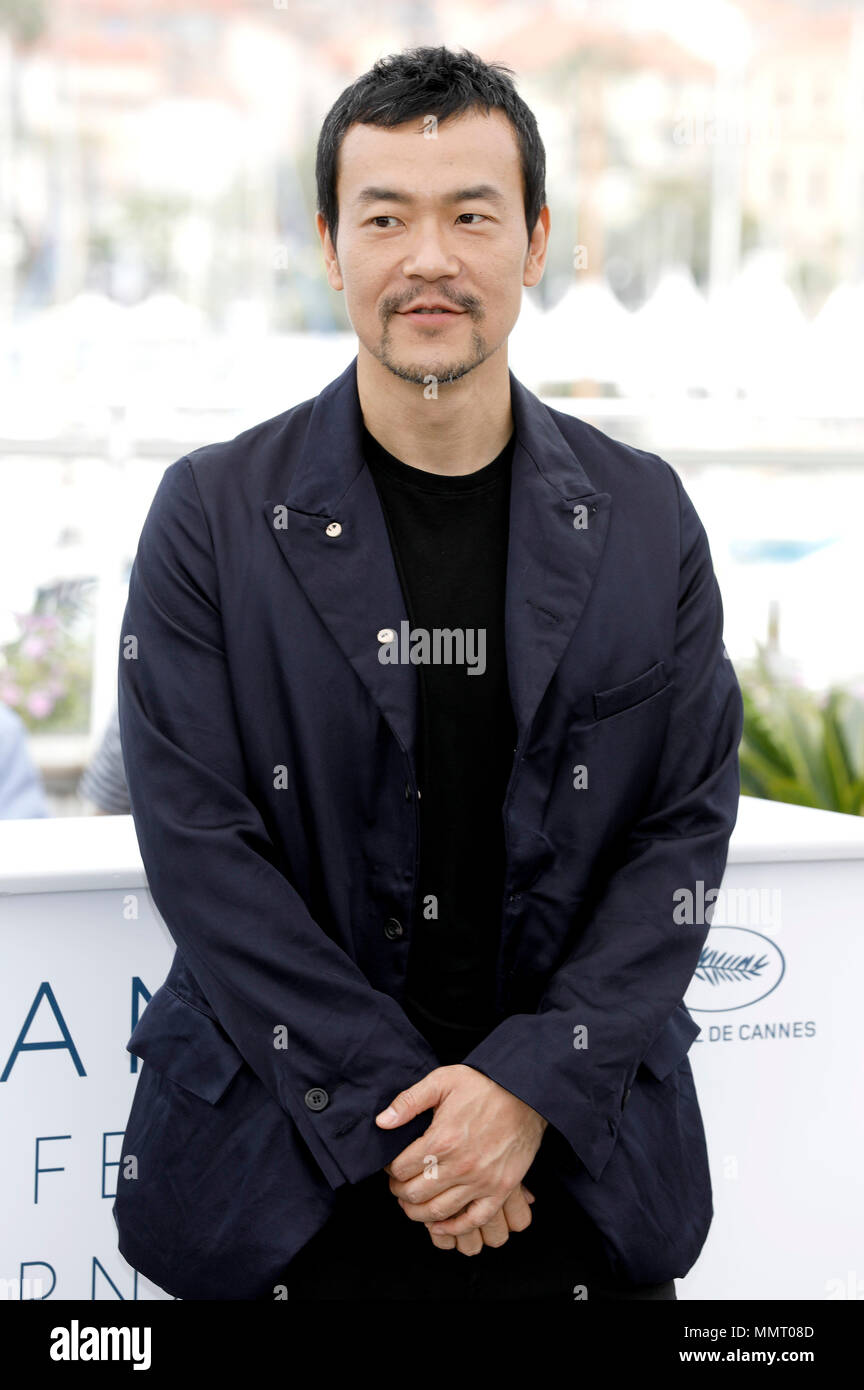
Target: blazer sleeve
633 960
214 873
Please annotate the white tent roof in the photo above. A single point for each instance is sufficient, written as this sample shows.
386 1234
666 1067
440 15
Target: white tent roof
669 338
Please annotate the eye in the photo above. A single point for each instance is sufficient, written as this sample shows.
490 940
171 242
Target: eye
386 217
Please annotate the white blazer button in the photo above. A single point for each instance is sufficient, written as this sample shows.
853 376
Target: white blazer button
386 634
334 529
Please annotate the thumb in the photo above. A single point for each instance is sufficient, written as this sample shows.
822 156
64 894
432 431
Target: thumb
421 1096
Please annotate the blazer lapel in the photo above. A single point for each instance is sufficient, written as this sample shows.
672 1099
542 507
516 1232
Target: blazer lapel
558 529
350 576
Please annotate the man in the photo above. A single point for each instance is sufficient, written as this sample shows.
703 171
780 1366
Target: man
419 778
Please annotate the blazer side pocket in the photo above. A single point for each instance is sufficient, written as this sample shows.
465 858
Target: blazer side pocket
672 1044
621 697
175 1038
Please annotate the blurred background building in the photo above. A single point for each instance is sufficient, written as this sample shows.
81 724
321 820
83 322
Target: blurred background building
162 286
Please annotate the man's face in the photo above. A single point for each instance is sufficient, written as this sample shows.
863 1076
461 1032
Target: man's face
424 219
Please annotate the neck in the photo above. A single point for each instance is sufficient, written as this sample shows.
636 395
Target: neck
456 432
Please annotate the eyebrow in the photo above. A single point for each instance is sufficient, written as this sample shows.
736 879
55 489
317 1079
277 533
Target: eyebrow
373 193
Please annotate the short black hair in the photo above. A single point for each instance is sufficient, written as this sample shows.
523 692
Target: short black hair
423 82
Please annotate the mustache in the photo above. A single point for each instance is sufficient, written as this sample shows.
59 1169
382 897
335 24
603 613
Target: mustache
469 304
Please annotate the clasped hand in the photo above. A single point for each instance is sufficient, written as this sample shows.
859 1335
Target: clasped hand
463 1176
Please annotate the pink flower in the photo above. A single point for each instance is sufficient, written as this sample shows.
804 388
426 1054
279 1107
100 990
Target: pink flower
34 646
39 704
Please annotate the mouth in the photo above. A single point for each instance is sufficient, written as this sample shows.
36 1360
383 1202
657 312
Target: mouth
436 315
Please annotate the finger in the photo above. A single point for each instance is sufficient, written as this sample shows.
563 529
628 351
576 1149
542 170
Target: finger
441 1208
516 1211
496 1231
435 1178
529 1196
427 1092
443 1242
470 1244
476 1214
420 1161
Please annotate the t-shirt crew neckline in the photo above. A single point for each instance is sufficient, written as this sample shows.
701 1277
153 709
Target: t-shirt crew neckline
422 481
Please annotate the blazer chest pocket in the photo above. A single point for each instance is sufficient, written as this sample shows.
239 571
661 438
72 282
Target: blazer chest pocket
635 692
175 1038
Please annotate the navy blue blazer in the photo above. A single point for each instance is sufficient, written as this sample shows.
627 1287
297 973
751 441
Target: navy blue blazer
270 758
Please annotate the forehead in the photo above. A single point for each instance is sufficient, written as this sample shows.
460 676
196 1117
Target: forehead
465 149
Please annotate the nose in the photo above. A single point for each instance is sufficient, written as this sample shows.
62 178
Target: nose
429 256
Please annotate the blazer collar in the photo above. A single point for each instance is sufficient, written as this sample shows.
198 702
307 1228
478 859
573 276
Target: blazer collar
332 457
558 529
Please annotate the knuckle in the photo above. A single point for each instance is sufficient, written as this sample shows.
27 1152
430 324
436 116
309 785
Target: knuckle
410 1209
443 1242
496 1240
444 1144
489 1210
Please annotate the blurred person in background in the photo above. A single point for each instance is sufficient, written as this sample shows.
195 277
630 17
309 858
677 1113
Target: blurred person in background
102 785
22 795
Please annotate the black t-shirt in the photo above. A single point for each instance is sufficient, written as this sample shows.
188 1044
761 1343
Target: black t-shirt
449 537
